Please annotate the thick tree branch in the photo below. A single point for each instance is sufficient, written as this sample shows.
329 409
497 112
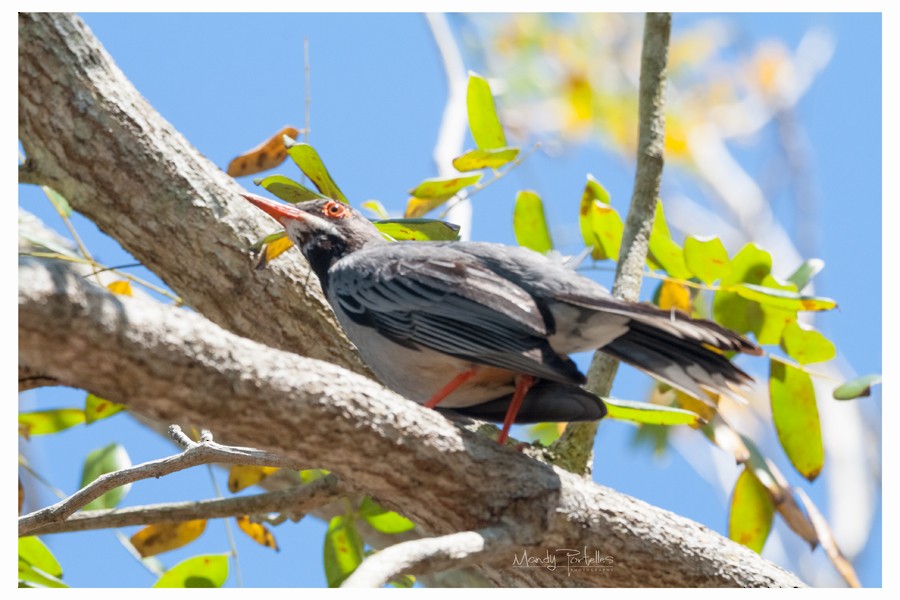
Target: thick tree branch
431 555
202 453
173 365
574 448
299 500
96 140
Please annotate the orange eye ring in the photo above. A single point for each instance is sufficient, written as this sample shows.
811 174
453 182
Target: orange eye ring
335 210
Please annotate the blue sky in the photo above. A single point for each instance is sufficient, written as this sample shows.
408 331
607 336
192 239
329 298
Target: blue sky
378 91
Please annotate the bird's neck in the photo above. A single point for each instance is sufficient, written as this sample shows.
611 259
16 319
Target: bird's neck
323 252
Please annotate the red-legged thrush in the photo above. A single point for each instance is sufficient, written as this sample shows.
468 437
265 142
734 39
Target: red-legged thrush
485 329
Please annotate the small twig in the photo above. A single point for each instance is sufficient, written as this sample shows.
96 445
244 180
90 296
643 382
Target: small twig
429 555
115 268
194 454
295 500
498 174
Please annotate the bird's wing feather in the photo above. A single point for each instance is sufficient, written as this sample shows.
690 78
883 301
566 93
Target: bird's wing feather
449 302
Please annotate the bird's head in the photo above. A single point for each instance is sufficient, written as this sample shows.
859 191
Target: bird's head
324 230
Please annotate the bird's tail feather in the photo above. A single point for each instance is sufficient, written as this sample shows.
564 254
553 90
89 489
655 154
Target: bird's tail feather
684 363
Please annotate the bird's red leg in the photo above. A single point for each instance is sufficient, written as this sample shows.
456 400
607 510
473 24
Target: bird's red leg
450 387
523 384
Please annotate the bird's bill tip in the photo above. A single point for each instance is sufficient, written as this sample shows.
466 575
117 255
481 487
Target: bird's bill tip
277 210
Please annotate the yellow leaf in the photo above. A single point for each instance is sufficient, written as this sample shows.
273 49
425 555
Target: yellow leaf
162 537
121 287
257 532
416 207
243 476
674 295
267 155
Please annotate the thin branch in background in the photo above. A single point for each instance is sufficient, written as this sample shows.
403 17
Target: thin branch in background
68 222
23 462
429 555
95 264
194 454
229 533
574 448
151 563
454 120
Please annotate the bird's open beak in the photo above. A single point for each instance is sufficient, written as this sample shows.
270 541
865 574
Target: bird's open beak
277 210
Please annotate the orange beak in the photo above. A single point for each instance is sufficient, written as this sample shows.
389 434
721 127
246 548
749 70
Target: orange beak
277 210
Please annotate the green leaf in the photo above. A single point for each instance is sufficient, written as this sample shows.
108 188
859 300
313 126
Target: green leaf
856 388
443 188
806 345
529 222
377 209
650 414
343 551
474 160
205 571
383 520
418 229
287 189
663 252
706 258
784 299
805 272
42 422
751 264
33 551
96 408
309 162
99 462
752 511
796 417
310 475
483 122
774 319
600 224
545 433
32 577
59 203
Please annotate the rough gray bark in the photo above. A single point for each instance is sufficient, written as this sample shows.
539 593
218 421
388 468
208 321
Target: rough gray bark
91 136
574 448
174 365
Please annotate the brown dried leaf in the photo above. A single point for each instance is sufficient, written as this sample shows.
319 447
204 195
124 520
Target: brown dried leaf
267 155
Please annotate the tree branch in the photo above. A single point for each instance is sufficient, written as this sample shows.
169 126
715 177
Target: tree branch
202 453
173 365
298 500
574 448
430 555
86 129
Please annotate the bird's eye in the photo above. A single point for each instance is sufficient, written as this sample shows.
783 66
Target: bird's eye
335 210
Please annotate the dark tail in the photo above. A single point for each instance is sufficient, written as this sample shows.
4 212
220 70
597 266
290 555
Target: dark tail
683 352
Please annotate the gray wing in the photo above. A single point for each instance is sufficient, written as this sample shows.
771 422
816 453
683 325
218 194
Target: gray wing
430 296
669 345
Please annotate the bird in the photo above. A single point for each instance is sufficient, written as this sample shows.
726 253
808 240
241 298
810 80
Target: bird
485 330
